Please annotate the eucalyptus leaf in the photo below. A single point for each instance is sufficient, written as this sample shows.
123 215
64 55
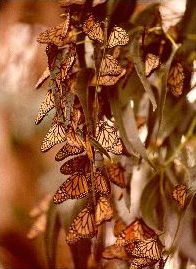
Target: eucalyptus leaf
165 70
139 64
151 203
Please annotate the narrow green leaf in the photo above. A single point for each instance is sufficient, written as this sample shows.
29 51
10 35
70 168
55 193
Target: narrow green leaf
151 204
165 69
139 64
124 117
51 235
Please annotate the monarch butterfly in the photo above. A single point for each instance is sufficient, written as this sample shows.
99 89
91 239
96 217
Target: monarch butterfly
55 135
45 107
115 252
83 226
152 62
68 150
77 164
151 248
137 230
106 135
179 195
93 29
116 148
102 186
68 61
118 36
108 80
75 187
116 174
103 210
73 138
43 78
110 66
55 35
138 262
175 79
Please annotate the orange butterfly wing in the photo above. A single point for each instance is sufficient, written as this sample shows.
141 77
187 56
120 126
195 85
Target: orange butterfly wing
118 37
78 164
93 29
55 35
179 195
83 226
45 107
116 174
103 210
75 187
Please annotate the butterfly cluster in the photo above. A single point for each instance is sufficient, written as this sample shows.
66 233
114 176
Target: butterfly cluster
109 71
137 243
83 177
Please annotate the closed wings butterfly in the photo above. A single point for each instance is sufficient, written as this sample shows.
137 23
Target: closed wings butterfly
108 80
68 150
110 66
138 262
116 174
83 226
55 35
80 163
106 135
103 210
175 80
45 107
68 62
152 62
102 185
75 187
117 37
150 248
179 194
116 148
56 135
